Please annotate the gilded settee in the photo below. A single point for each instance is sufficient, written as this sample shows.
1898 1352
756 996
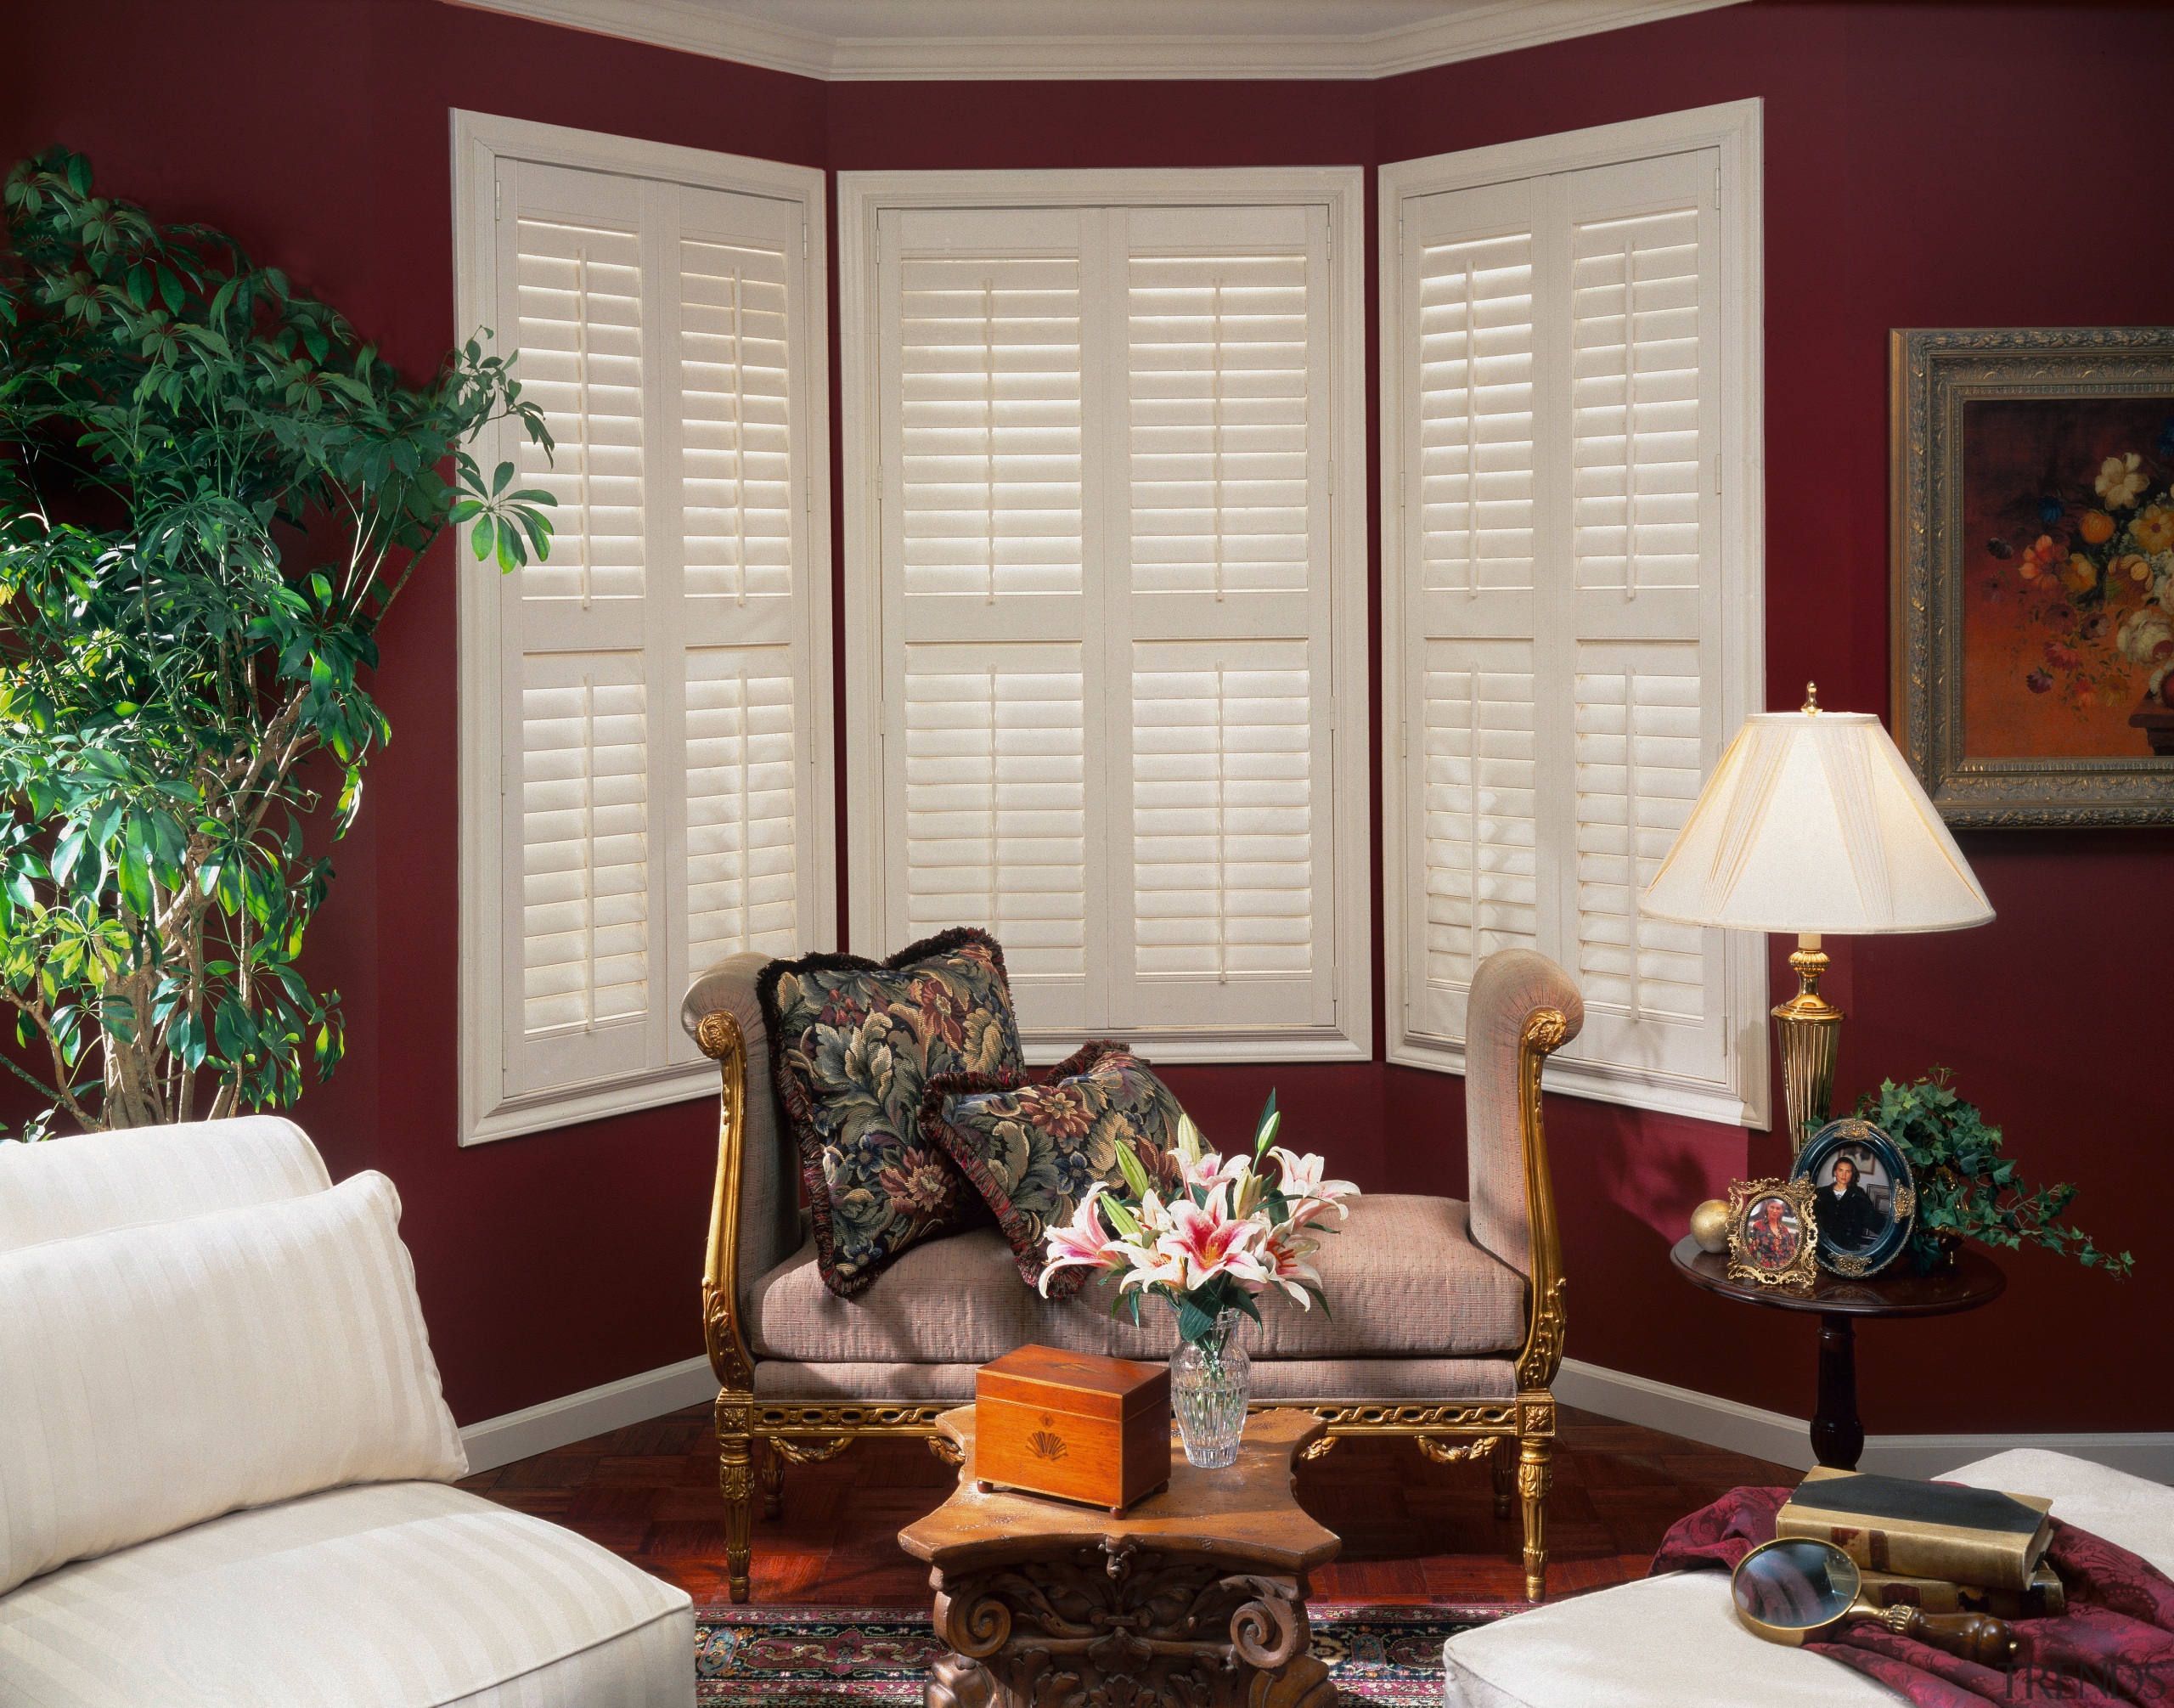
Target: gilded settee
1449 1315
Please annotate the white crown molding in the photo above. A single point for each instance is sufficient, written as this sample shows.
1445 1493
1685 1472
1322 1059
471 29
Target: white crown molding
1469 33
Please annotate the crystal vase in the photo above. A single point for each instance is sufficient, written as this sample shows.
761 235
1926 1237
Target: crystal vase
1211 1379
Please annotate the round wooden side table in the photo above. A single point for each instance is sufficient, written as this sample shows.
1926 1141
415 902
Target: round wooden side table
1837 1435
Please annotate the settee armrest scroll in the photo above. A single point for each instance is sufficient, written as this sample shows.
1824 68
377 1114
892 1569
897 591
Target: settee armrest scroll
754 1212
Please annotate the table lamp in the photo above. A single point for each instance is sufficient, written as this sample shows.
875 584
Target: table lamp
1813 823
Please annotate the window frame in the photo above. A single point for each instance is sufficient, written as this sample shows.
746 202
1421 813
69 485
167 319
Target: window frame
479 142
862 197
1733 129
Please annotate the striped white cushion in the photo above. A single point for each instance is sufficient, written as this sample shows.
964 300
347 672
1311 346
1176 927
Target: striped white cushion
152 1377
392 1595
80 1185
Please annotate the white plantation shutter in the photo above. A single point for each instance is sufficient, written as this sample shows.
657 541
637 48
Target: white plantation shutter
1564 663
1108 635
655 724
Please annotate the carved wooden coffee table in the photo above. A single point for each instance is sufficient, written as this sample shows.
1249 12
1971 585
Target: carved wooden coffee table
1196 1598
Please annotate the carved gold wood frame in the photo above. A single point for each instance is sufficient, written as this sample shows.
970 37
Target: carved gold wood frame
1517 1435
1931 375
1802 1269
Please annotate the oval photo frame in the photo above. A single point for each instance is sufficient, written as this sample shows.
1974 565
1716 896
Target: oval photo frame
1859 1234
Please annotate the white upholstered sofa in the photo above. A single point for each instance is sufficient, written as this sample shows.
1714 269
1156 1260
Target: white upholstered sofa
1449 1315
225 1462
1673 1642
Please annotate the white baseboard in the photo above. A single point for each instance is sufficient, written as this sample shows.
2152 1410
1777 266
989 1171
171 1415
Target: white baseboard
1787 1440
1707 1417
498 1441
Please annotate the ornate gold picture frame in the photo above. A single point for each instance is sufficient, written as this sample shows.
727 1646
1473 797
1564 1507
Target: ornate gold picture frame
1865 1214
2031 519
1773 1235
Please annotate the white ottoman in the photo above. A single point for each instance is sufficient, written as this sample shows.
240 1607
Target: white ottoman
1673 1642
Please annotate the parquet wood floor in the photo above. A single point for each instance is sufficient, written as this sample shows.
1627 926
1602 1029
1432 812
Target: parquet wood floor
1412 1529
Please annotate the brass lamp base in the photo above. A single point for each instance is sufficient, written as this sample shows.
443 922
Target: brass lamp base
1811 1031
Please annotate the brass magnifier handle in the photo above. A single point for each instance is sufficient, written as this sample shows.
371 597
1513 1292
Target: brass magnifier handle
1969 1636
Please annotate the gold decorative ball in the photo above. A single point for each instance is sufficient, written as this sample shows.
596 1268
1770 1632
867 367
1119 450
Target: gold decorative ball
1709 1226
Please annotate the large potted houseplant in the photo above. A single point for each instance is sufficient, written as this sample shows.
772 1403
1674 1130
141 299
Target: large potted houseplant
211 490
1965 1187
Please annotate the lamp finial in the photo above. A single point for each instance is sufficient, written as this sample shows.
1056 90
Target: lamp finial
1811 699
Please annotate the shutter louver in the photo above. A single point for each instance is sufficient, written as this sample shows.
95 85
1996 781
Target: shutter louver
585 841
736 438
996 801
1638 772
1222 815
1475 397
741 811
1217 364
1480 829
1635 451
990 427
579 332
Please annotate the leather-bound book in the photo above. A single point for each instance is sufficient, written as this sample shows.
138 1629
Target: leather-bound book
1911 1529
2045 1599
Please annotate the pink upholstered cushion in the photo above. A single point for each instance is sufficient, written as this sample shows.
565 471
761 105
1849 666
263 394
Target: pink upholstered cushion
1511 985
1403 1278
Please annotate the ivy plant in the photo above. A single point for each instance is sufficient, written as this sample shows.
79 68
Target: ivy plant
1965 1187
211 491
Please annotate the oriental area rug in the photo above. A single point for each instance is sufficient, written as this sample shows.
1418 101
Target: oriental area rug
845 1657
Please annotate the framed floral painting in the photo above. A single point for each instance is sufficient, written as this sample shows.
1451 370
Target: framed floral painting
2032 507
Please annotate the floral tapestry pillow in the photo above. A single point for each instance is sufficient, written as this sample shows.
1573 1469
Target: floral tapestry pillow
1034 1148
853 1042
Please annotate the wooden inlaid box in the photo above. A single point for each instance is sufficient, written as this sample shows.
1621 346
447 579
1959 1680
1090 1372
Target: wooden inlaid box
1072 1424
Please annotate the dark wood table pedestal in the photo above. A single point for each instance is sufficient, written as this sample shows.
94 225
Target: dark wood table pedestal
1837 1434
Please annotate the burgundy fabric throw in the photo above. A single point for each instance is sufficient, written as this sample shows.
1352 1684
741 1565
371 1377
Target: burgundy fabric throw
2114 1646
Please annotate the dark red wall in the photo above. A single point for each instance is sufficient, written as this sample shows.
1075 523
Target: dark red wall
1924 167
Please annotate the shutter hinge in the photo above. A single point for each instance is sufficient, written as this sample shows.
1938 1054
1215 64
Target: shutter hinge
1404 740
879 238
1334 715
498 197
803 239
1717 474
1717 186
808 494
1331 477
503 767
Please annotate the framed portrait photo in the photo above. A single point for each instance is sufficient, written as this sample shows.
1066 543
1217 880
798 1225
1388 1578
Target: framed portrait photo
1863 1200
1772 1232
2032 630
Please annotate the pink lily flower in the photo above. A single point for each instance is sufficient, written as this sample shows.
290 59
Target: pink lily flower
1286 1255
1083 1242
1310 1196
1206 1241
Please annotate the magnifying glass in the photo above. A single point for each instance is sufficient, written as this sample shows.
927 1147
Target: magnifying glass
1796 1590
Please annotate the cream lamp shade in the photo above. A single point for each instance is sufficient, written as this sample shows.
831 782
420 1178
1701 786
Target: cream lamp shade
1813 822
